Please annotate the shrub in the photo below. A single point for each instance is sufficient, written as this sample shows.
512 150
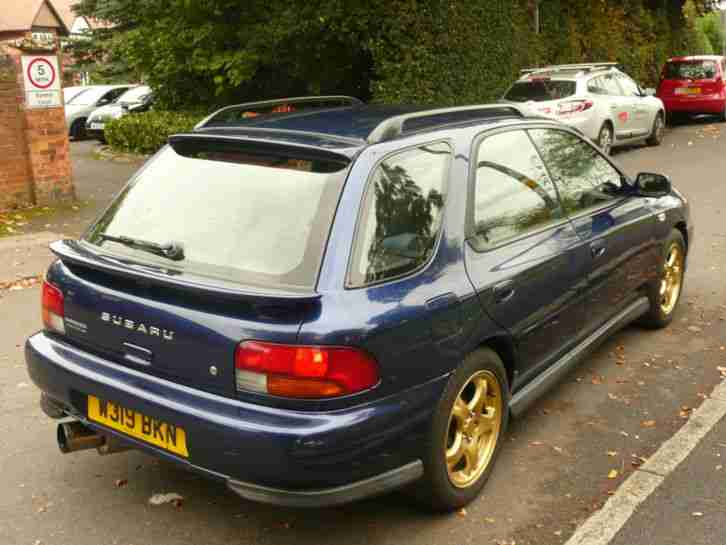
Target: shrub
147 132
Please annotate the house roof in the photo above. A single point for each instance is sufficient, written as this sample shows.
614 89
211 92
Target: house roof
22 15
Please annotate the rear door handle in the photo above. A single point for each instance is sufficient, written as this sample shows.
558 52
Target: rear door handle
504 292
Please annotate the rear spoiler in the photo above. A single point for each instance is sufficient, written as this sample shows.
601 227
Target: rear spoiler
76 253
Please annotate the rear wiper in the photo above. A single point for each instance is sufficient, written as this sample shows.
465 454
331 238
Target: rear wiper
171 250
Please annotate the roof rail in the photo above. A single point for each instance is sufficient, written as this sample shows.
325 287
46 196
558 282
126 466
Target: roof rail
393 126
582 66
251 106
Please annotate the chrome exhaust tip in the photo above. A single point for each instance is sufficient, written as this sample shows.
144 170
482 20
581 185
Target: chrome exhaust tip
74 436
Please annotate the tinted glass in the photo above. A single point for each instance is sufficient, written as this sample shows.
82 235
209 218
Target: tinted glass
691 70
630 88
111 96
540 90
584 178
240 215
513 192
401 215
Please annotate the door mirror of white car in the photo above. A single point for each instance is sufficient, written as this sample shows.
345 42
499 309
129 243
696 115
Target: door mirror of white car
648 184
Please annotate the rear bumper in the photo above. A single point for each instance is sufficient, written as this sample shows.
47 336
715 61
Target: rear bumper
712 104
264 454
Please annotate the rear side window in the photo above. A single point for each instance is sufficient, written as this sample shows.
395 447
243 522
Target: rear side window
241 212
401 215
691 70
540 90
513 192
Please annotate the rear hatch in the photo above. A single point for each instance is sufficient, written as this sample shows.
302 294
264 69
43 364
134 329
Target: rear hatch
543 95
214 242
690 79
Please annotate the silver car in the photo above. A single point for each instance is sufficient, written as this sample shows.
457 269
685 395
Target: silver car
602 102
83 103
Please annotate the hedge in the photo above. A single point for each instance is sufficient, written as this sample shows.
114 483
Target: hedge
147 132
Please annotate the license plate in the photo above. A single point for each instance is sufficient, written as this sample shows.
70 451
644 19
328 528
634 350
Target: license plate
97 126
688 91
139 426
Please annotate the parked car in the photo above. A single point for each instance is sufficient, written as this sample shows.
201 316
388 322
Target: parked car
319 305
79 107
599 100
694 85
134 100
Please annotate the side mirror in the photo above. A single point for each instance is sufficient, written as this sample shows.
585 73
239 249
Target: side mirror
648 184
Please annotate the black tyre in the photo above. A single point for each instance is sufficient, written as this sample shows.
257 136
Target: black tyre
722 117
466 433
605 138
78 129
665 292
658 131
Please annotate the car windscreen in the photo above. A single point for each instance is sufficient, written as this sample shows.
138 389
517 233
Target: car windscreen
540 90
691 70
239 213
135 95
89 97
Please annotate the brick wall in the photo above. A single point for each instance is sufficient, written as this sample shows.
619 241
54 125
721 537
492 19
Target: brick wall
35 166
15 178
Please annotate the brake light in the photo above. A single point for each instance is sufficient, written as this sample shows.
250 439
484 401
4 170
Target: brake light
574 107
52 307
303 371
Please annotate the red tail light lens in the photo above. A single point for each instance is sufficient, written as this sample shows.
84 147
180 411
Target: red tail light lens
52 307
303 371
574 107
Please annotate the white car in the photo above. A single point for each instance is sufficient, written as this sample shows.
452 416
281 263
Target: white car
80 106
599 100
135 99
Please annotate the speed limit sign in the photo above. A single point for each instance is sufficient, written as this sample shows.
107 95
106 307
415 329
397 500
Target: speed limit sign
42 81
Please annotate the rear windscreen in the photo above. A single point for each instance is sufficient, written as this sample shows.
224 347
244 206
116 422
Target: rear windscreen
540 90
691 70
239 214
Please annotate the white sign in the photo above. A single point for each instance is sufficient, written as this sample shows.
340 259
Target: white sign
42 81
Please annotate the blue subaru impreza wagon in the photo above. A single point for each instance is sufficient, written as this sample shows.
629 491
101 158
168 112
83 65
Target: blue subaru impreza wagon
314 300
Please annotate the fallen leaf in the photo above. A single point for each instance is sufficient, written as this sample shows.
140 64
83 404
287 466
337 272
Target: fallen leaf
613 397
697 514
648 423
535 443
461 512
121 482
597 379
171 497
613 474
612 453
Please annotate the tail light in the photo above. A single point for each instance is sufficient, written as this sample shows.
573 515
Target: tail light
311 372
53 309
574 107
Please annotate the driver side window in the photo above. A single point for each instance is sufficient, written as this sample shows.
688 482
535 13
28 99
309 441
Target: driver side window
585 179
513 193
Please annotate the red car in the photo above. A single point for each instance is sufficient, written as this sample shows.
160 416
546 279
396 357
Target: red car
694 85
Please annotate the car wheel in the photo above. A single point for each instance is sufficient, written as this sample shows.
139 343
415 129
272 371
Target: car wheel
656 136
605 139
722 117
78 129
664 293
466 433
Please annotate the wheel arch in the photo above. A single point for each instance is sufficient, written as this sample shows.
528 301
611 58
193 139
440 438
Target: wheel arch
504 347
683 228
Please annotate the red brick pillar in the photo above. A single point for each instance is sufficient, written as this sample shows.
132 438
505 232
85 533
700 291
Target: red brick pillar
35 166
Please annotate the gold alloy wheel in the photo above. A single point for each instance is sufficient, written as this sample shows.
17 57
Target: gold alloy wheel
670 286
474 426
